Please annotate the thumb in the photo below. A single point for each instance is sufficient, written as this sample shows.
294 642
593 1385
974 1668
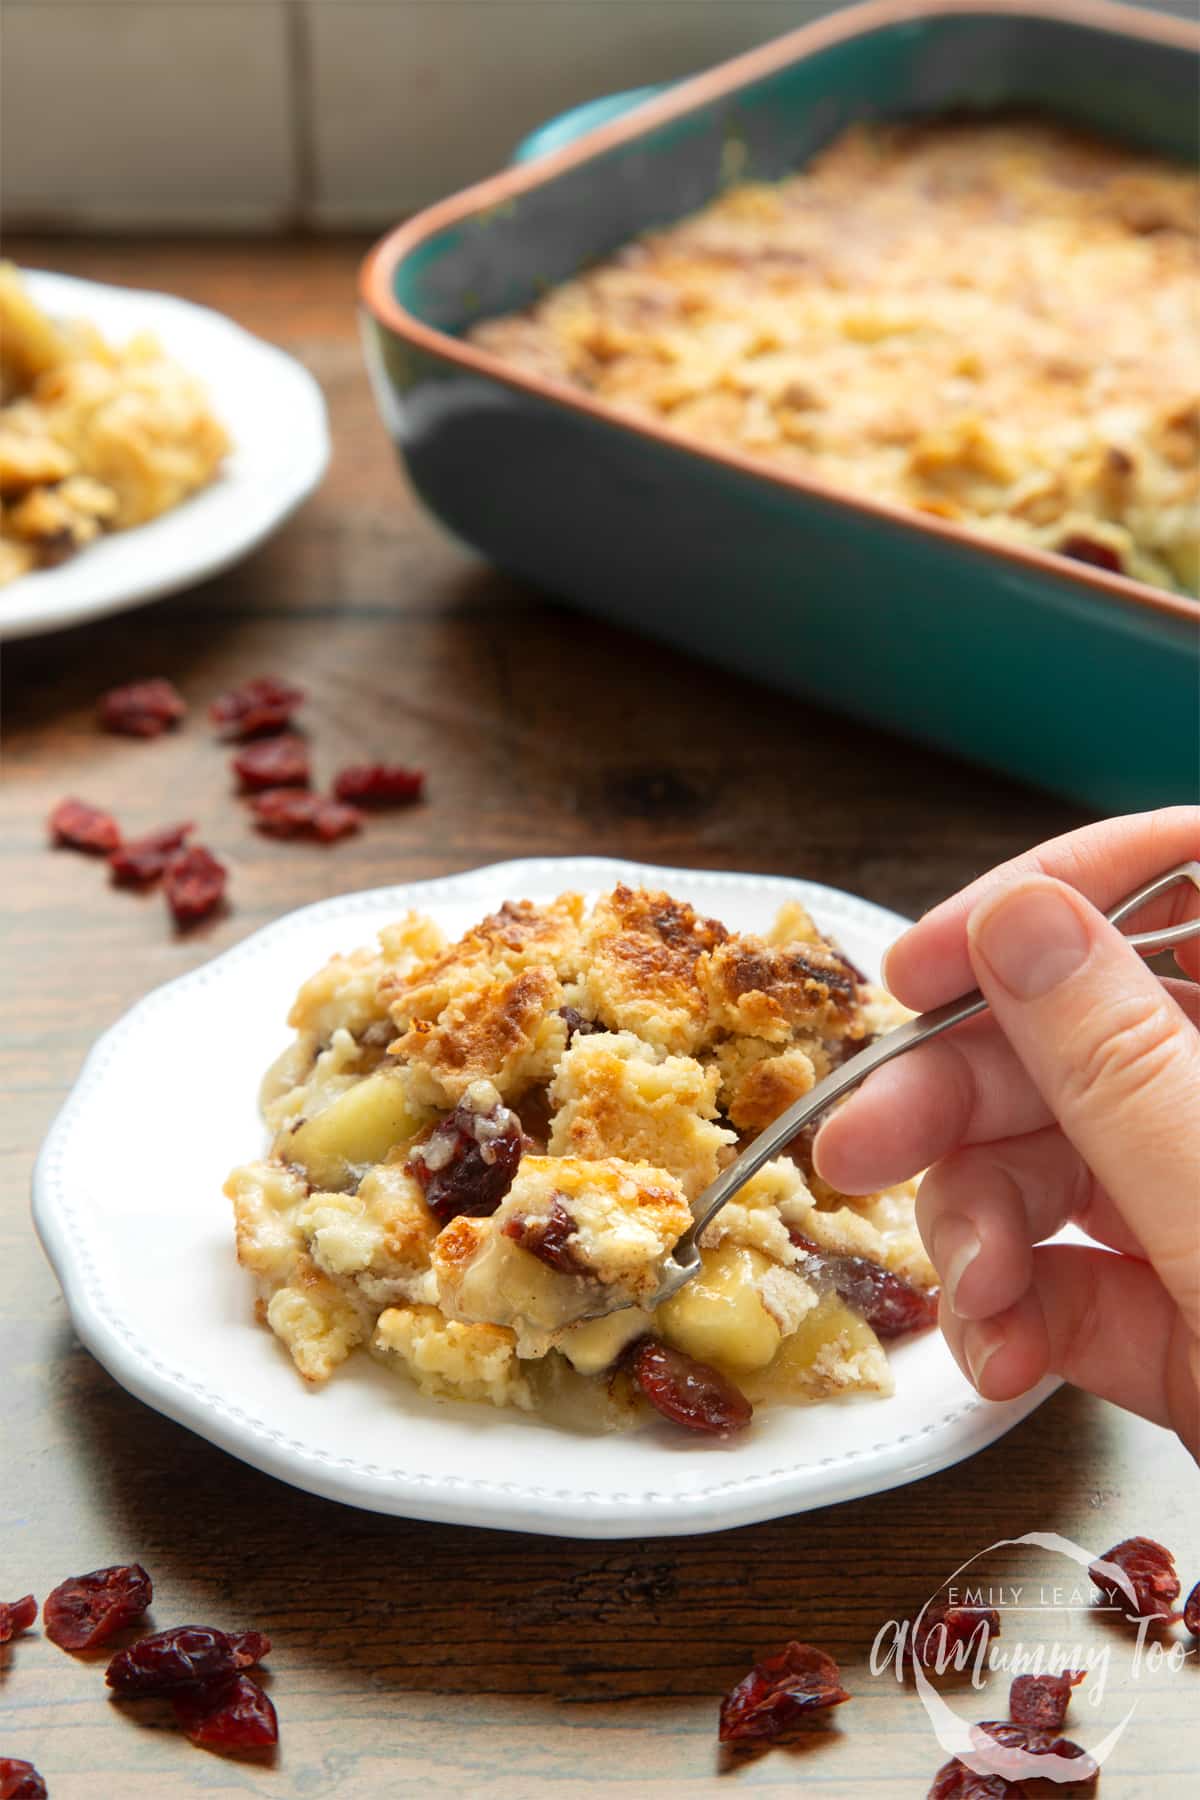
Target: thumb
1113 1056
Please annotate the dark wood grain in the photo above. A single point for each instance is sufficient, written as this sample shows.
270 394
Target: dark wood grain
412 1658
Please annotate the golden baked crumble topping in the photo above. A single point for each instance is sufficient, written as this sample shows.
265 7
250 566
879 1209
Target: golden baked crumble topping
992 321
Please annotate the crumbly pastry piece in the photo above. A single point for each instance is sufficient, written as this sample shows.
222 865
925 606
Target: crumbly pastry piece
991 321
405 1206
616 1095
572 1237
92 438
450 1360
641 955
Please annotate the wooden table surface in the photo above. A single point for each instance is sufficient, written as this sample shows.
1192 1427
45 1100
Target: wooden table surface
414 1658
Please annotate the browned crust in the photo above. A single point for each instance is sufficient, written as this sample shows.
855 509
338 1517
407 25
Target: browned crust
486 1029
377 272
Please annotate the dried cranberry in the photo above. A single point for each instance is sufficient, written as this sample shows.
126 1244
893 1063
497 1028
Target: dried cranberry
548 1238
1191 1611
84 827
1042 1700
1081 548
143 709
468 1161
943 1628
229 1715
16 1616
85 1610
194 883
1011 1735
954 1781
249 1647
185 1656
779 1694
1149 1570
256 707
143 859
380 784
20 1780
278 762
577 1025
689 1392
890 1304
292 812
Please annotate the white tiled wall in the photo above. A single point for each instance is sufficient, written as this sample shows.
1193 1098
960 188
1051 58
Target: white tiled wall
119 113
271 113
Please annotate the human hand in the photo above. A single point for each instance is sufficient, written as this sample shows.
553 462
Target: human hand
1075 1098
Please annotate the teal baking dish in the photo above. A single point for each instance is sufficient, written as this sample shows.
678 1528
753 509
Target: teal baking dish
1065 675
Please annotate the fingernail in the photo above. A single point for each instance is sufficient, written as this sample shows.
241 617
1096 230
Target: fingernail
1031 940
955 1246
980 1343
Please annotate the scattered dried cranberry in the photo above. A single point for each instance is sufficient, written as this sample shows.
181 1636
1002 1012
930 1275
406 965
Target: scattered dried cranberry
468 1161
84 827
779 1694
229 1715
1149 1570
548 1238
380 784
185 1656
890 1304
257 707
278 762
143 859
144 709
942 1629
689 1392
249 1647
1191 1611
20 1780
954 1781
1042 1700
293 812
194 883
16 1616
85 1610
1081 548
1027 1738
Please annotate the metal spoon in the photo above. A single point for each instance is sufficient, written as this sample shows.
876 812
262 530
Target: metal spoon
684 1261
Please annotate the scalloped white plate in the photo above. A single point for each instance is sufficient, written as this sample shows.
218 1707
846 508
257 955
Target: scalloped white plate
128 1205
274 412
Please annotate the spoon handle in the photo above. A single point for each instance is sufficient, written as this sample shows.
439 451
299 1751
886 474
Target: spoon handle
894 1043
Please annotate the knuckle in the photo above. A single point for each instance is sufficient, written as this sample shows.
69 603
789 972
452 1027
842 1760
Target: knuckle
1121 1053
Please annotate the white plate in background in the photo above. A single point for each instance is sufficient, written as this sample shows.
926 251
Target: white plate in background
273 411
129 1207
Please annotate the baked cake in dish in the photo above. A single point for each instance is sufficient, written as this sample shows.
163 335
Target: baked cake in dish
478 1147
992 321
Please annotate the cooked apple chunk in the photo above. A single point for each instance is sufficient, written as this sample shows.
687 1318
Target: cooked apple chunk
357 1129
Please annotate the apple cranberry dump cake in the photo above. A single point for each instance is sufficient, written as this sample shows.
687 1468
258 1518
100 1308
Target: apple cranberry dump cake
477 1147
990 321
94 437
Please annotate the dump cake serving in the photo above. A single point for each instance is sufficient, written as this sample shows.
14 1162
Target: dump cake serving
484 1152
94 437
992 321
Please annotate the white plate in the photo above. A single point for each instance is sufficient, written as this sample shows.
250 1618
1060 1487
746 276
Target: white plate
273 411
128 1204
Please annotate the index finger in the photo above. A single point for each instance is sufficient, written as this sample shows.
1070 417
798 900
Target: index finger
930 965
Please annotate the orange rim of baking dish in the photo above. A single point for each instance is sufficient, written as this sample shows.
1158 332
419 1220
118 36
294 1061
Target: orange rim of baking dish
378 270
